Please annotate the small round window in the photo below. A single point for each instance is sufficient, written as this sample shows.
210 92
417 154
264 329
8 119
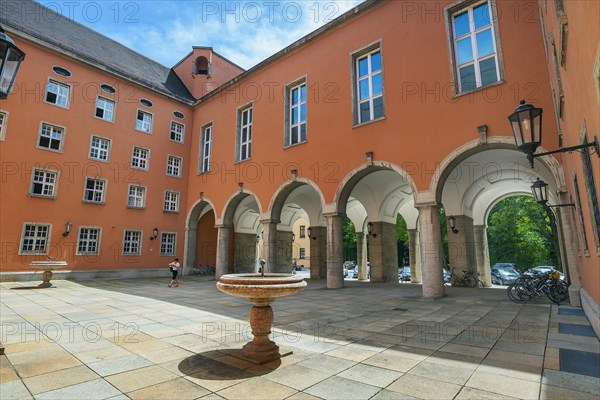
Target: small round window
146 103
61 71
107 88
179 115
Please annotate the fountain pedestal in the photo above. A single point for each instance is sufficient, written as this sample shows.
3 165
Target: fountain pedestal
261 291
47 266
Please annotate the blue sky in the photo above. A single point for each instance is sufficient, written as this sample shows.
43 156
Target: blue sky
246 32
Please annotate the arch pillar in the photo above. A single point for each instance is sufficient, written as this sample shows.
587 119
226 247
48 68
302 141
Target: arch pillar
569 252
223 235
318 252
413 254
270 244
482 257
432 253
335 251
361 255
461 245
189 251
383 252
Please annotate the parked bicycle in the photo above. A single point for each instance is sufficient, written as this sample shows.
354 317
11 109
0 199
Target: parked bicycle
202 270
468 279
527 288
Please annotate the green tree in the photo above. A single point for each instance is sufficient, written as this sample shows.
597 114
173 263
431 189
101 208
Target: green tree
349 240
520 231
402 241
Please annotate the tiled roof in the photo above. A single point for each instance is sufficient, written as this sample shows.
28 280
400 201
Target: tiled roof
46 25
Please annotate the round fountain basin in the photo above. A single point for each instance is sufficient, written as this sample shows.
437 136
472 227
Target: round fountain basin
256 286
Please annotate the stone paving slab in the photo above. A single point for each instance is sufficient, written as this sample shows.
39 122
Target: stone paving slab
139 339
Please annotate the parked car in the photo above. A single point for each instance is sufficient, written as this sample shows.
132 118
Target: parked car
504 276
447 276
512 266
543 269
404 274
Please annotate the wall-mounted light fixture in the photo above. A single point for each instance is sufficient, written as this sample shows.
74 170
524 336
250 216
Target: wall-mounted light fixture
369 155
68 226
294 174
293 237
154 234
526 124
452 222
540 192
370 230
308 232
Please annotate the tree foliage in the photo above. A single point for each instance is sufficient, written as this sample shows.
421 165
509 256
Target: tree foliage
520 231
350 251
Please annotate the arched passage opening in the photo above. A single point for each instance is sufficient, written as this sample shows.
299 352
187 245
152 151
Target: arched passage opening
298 228
372 197
200 236
468 188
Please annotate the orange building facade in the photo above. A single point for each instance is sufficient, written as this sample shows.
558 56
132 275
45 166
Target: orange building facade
392 108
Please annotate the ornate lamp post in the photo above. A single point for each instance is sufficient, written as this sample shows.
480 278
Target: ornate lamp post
10 60
526 124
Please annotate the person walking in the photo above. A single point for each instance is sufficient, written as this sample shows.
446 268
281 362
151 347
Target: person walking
174 267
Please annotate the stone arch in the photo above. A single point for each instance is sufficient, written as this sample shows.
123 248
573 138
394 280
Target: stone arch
347 184
454 158
232 204
281 194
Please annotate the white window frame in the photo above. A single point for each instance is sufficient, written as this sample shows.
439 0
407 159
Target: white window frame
45 238
95 190
165 243
141 124
290 108
174 166
53 128
104 110
101 150
3 124
137 159
206 135
171 201
129 242
88 240
368 53
52 185
244 147
63 100
177 129
135 195
468 6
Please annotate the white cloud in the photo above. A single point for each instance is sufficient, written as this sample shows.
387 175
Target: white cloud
246 32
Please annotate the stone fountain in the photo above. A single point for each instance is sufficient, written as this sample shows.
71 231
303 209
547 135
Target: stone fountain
47 267
261 290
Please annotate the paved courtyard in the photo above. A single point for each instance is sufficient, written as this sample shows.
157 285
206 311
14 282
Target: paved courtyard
140 339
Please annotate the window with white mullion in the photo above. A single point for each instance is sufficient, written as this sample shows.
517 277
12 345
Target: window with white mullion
475 47
35 239
43 183
297 132
171 203
245 134
136 196
132 243
206 149
88 242
94 190
369 86
99 148
139 158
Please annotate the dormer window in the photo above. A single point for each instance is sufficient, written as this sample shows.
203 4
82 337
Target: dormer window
201 66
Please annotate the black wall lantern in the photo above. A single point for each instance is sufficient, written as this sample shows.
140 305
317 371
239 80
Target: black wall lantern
370 230
540 192
11 57
452 222
154 234
293 237
526 124
68 226
308 232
